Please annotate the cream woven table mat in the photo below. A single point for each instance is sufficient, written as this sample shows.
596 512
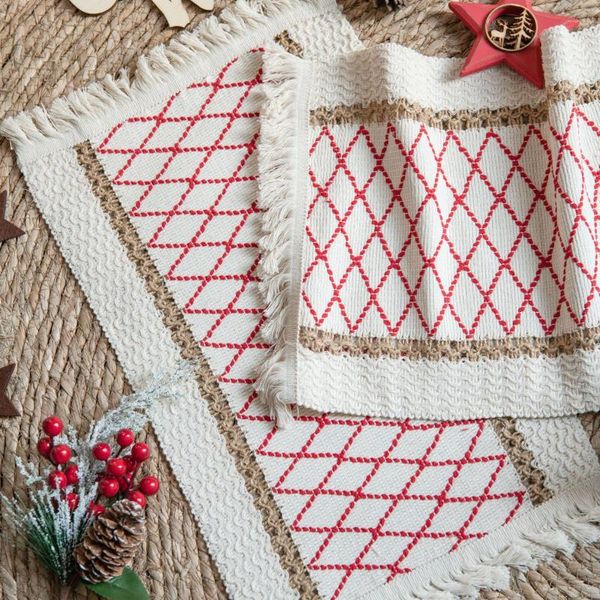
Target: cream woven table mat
64 363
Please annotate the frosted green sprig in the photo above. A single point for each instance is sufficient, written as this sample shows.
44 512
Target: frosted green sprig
47 524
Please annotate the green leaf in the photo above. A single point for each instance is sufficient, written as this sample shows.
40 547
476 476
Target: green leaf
127 586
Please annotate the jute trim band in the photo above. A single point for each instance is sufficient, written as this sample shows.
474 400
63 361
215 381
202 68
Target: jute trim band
288 44
521 457
317 340
382 111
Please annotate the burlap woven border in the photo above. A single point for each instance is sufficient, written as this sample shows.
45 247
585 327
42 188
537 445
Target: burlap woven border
333 343
381 112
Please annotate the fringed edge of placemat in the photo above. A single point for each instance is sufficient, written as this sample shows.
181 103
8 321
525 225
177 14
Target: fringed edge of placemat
559 526
92 107
280 150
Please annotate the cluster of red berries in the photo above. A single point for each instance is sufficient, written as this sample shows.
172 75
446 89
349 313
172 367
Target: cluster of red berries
59 455
117 477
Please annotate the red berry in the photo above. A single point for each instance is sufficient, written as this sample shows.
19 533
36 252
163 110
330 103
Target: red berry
102 451
125 482
131 463
136 496
60 454
72 500
52 426
57 480
44 446
96 509
140 452
149 485
72 473
116 467
125 438
108 487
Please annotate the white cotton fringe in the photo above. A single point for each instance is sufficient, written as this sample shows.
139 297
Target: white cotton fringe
99 101
277 152
578 526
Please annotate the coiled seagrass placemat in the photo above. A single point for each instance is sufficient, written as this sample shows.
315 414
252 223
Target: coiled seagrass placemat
64 363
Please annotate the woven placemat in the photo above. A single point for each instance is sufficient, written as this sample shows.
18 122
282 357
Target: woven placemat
64 363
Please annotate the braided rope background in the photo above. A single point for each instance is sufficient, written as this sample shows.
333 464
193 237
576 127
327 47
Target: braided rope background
64 363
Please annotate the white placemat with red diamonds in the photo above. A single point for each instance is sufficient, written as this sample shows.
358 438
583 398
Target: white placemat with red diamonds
150 188
430 244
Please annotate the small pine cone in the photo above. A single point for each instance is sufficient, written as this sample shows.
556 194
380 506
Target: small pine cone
111 542
389 4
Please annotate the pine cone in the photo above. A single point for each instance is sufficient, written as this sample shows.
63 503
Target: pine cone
111 542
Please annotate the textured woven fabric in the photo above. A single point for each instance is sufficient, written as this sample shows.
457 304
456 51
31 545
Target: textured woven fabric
440 256
152 196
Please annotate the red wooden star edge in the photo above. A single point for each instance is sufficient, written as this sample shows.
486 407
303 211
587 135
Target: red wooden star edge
483 55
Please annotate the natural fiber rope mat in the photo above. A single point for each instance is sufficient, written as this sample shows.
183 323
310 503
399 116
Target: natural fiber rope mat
64 363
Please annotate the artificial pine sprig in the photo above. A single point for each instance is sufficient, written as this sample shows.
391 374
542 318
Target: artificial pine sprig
49 526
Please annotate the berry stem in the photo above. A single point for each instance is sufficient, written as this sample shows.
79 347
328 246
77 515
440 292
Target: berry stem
133 474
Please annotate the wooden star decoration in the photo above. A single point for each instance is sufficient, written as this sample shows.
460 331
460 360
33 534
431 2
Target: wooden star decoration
508 32
7 408
8 231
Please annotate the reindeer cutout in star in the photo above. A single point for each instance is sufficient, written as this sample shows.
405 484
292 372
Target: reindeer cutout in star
498 34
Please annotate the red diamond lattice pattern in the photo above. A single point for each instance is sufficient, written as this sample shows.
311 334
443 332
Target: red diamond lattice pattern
367 500
477 233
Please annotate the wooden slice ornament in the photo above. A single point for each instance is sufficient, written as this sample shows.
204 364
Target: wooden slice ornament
173 10
511 27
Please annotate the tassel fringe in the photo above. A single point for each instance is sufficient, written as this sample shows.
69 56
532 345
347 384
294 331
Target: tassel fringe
277 167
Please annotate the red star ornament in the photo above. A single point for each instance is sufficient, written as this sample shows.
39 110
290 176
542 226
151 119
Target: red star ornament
525 58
